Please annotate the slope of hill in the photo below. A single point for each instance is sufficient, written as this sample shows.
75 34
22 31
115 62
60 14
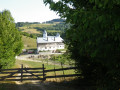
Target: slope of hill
29 43
52 27
55 21
35 30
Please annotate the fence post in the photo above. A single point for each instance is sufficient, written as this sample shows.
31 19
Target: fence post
43 73
47 61
21 72
63 70
55 74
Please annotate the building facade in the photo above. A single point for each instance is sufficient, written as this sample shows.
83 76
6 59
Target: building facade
49 43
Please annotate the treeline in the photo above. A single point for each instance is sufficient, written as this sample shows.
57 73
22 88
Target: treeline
55 20
21 24
57 27
40 35
31 35
60 26
51 29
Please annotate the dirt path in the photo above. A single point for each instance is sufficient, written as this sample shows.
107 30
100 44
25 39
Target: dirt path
29 85
33 85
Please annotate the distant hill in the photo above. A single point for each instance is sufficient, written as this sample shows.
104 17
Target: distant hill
31 30
35 29
55 20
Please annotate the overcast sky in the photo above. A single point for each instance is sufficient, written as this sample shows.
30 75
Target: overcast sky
28 10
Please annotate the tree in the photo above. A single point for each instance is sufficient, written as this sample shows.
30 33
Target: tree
10 40
93 39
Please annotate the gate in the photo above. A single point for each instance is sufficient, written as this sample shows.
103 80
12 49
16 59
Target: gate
22 74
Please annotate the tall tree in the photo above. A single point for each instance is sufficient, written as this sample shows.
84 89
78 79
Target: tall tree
93 38
10 40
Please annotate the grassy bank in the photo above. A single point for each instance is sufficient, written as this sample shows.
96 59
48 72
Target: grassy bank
32 64
29 43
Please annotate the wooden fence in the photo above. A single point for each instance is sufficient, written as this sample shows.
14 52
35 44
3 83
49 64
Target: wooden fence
22 74
63 75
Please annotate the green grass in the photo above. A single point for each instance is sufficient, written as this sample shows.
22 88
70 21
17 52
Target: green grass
29 43
47 66
33 31
41 25
36 25
31 28
35 64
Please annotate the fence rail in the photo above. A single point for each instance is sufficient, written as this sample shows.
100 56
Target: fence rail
57 76
61 69
21 74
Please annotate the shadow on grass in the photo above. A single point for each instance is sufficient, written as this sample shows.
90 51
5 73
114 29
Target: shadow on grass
64 85
70 85
7 86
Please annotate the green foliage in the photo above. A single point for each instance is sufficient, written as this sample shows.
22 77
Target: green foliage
55 20
56 27
10 40
30 35
35 29
93 39
20 24
63 58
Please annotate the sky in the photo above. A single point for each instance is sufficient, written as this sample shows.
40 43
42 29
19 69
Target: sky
28 10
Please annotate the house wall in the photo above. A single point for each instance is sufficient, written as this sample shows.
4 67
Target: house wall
60 47
49 46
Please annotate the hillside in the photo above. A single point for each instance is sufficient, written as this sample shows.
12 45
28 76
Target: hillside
55 21
31 31
53 26
29 43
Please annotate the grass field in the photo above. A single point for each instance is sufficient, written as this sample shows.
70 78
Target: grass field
41 25
32 64
39 64
29 43
35 25
33 31
31 28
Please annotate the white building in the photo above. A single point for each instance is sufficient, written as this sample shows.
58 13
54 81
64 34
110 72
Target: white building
51 43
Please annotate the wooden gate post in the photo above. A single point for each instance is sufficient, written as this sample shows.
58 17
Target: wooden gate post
63 70
43 73
21 72
55 74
